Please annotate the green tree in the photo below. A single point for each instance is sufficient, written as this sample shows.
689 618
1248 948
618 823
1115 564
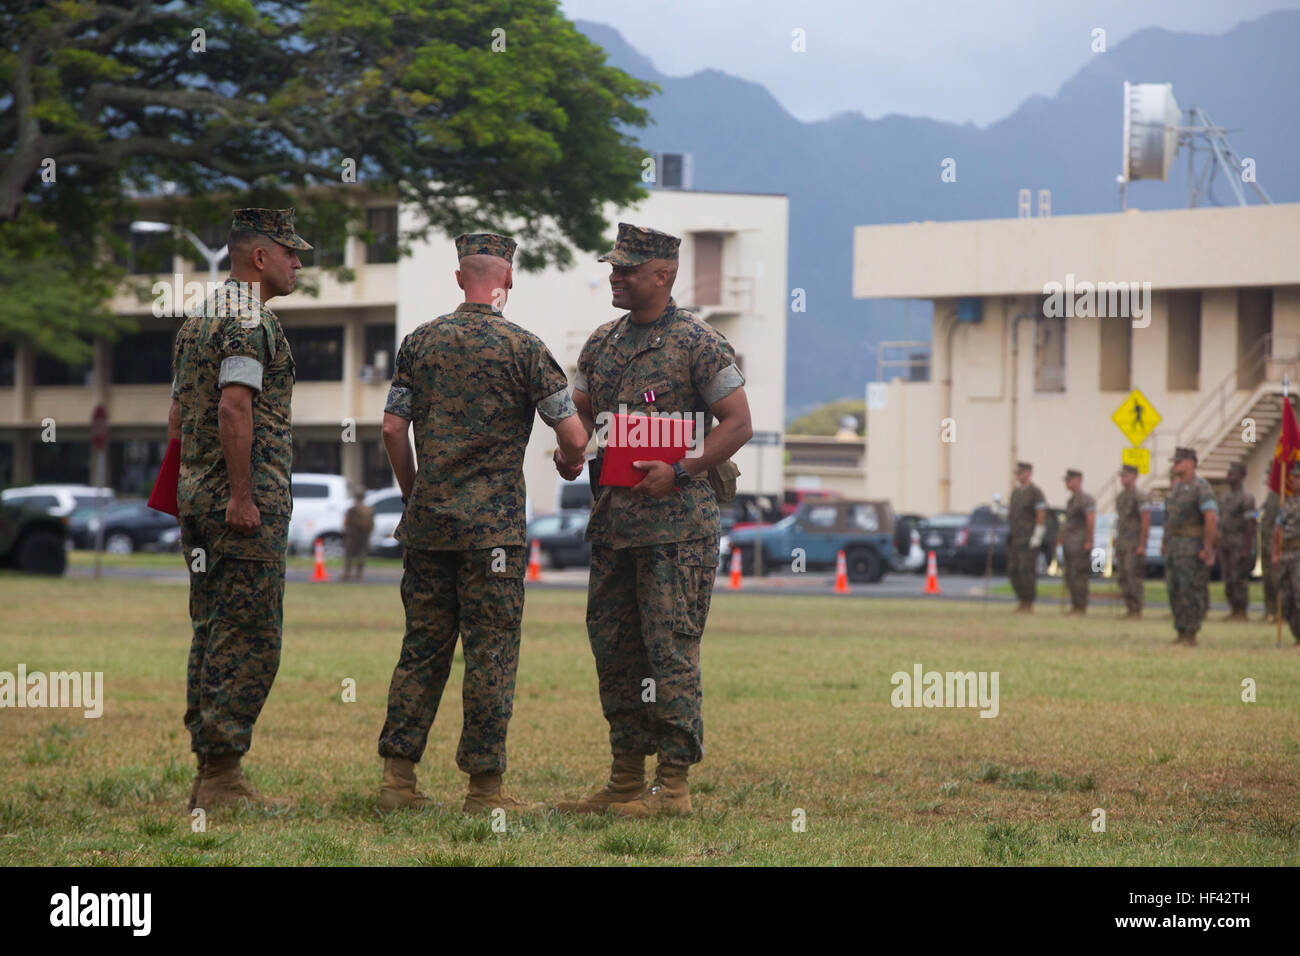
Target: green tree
825 420
481 114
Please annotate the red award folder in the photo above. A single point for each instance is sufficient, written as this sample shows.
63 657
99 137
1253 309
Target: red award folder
163 496
642 438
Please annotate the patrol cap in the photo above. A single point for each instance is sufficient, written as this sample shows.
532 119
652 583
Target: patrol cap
1128 470
275 224
1180 453
637 244
485 244
1073 473
1024 466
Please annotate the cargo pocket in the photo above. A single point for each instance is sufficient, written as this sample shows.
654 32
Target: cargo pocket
697 566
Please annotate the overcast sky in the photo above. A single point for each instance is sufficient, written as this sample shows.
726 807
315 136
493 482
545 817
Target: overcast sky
955 60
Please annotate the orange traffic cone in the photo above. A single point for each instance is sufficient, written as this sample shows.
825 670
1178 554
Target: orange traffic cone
841 574
735 570
931 575
535 562
319 573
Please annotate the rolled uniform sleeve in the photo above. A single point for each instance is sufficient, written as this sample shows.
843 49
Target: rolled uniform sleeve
714 374
245 351
548 387
399 393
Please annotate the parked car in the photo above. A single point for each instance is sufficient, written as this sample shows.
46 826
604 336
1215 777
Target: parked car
908 555
940 534
128 526
986 530
1155 540
58 501
560 539
387 505
31 540
794 497
319 503
863 530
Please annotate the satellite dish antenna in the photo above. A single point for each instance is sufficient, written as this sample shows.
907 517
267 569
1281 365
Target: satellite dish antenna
1154 133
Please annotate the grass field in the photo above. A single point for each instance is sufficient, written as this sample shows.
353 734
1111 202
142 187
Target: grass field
1093 713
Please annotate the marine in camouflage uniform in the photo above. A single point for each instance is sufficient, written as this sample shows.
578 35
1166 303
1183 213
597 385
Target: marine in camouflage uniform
1267 520
1236 535
1191 520
358 523
469 382
1025 515
1132 525
1285 549
654 559
1076 541
236 573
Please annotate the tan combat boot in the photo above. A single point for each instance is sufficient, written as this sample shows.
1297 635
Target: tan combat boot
222 782
485 795
194 787
626 781
398 790
669 796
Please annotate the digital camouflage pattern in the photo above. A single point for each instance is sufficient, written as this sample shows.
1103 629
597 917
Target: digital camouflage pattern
235 338
1130 567
1022 561
275 224
1236 508
1288 519
646 612
469 382
485 244
685 366
1267 520
1076 547
637 244
1186 576
358 523
236 612
477 595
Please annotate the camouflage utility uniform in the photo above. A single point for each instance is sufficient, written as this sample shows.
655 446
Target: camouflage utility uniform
469 382
1288 519
1130 567
1267 521
236 580
358 523
1186 575
1022 560
1236 508
1076 548
653 561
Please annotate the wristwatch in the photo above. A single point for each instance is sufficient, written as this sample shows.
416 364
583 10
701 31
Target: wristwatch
681 478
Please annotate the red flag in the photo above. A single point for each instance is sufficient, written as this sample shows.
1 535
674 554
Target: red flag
1288 450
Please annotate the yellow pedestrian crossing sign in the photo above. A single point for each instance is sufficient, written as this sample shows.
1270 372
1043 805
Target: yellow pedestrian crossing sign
1139 458
1136 418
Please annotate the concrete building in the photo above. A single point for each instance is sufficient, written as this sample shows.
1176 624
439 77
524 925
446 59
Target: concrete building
826 462
1015 378
732 274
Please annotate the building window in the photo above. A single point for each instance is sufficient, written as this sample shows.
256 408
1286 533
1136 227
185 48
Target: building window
708 268
381 350
143 253
8 357
1049 354
376 472
317 352
133 465
60 462
1183 371
143 359
320 457
1254 326
1115 363
52 371
382 222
